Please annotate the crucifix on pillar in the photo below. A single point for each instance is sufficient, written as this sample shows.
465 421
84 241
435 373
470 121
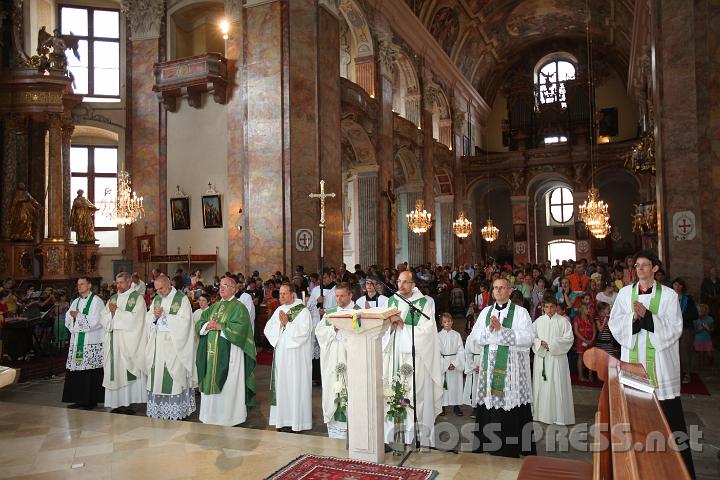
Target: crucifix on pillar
322 196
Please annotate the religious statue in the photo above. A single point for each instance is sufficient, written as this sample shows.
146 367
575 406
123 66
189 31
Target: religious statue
82 219
51 50
24 212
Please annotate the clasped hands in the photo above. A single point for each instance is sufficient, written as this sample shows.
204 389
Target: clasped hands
112 307
396 322
639 310
158 312
212 325
495 324
283 319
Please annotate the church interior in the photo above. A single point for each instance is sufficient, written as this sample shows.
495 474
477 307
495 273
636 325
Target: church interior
271 139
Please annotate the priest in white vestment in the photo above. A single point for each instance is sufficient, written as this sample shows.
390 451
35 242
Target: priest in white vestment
247 300
646 320
332 353
125 342
452 353
552 390
503 334
321 298
289 331
397 351
84 375
372 298
170 354
226 359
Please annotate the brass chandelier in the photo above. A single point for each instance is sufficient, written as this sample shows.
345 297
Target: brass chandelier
593 212
489 232
419 220
126 208
462 226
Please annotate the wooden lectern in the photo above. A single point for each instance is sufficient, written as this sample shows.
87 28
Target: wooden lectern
366 407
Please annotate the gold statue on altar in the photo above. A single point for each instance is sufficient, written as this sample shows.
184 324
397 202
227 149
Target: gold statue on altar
24 212
82 219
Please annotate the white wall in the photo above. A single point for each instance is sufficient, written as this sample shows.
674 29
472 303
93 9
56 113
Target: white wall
612 93
497 115
196 155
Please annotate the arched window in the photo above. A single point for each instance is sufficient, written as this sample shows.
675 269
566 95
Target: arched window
560 205
560 250
550 80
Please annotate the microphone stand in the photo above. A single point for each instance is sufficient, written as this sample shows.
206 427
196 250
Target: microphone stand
413 311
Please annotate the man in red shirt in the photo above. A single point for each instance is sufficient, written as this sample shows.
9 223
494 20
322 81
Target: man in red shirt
578 280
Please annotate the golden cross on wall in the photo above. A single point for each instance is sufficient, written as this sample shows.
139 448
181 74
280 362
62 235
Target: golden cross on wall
322 195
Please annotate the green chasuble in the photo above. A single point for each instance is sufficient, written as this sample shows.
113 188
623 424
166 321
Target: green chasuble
213 354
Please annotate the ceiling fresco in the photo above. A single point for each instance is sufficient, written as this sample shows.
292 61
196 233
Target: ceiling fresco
486 37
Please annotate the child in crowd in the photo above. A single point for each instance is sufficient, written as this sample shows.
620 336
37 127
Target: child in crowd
605 340
452 356
703 336
585 333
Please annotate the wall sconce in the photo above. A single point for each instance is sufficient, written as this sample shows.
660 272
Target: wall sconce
238 224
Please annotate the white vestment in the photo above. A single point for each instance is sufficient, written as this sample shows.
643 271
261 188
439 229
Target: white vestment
380 301
92 345
139 287
247 300
292 369
553 399
332 352
124 359
473 360
519 338
329 302
227 407
452 352
170 358
397 351
668 325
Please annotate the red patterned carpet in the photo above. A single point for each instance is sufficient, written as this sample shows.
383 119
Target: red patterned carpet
315 467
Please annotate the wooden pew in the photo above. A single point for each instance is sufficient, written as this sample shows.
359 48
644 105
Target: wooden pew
631 416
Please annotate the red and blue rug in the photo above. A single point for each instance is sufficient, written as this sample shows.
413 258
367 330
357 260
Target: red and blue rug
315 467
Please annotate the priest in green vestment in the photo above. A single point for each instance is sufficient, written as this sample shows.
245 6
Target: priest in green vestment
226 359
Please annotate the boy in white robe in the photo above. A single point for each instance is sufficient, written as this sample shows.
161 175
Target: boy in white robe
452 357
321 298
332 353
125 342
553 399
372 298
289 331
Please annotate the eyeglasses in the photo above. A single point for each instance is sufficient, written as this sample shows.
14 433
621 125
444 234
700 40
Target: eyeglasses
226 286
642 265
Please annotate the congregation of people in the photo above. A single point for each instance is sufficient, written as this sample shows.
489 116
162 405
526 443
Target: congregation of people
158 341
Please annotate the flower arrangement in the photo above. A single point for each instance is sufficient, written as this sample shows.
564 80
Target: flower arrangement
396 394
341 396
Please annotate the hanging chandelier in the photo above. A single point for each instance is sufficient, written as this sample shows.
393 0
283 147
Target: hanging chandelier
419 220
462 226
126 207
594 212
489 232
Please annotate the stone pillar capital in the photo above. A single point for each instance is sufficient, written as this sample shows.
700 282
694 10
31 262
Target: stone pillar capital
387 57
144 18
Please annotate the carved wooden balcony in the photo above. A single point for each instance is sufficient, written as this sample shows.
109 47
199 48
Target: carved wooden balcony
191 77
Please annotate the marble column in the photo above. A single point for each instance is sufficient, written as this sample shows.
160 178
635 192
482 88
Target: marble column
384 147
463 248
67 131
9 171
55 201
520 216
445 234
143 153
582 242
428 175
236 130
368 215
416 241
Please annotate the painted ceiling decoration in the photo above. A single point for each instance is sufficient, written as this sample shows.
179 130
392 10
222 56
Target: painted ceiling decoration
486 37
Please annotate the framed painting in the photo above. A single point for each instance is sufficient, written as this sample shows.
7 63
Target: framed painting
145 247
180 213
212 211
519 232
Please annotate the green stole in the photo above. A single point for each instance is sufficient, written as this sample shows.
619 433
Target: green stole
129 307
654 308
292 314
167 381
80 345
411 318
213 353
499 374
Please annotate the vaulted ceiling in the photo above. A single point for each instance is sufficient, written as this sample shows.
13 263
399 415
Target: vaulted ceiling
486 37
